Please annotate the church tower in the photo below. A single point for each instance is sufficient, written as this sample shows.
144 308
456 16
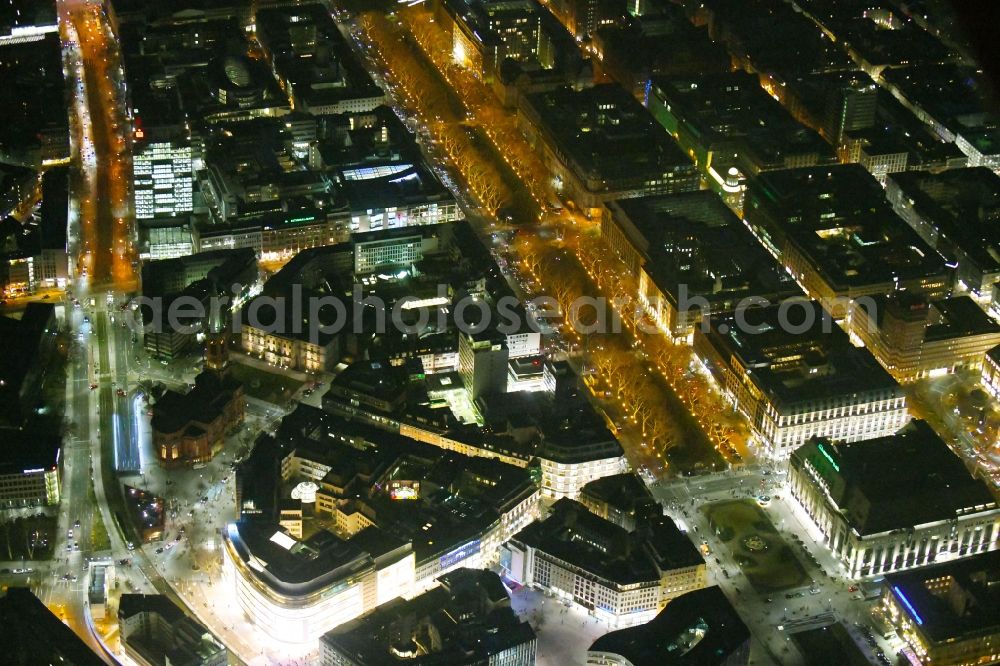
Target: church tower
217 340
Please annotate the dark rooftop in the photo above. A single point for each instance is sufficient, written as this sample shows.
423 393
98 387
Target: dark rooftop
293 567
469 615
33 634
839 218
700 628
956 96
457 496
692 240
573 534
831 645
625 492
911 478
986 140
665 43
133 604
27 449
202 404
24 343
749 30
258 479
177 639
792 367
946 318
921 147
310 53
224 267
577 434
876 37
956 317
54 211
35 94
372 378
731 112
608 135
952 601
963 206
15 176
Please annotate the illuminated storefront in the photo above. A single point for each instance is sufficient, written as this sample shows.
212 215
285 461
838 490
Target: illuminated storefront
295 591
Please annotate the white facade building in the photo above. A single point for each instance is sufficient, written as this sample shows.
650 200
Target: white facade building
524 343
565 478
372 255
397 217
893 503
624 578
793 382
296 591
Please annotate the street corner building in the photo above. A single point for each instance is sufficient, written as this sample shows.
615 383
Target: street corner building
798 376
623 578
947 614
698 628
895 502
294 591
190 427
467 619
155 631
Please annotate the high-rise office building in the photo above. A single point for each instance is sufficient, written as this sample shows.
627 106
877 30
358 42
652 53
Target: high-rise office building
163 178
851 105
482 363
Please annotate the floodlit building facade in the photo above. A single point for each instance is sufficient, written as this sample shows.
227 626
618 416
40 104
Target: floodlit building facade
947 614
795 375
295 591
913 337
991 372
893 503
623 578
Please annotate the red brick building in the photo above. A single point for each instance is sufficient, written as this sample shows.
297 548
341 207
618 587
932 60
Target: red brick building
191 427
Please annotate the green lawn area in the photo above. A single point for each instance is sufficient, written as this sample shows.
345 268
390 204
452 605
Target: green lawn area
99 539
263 385
762 554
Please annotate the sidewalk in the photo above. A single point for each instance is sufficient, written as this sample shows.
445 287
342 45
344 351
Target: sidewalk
253 362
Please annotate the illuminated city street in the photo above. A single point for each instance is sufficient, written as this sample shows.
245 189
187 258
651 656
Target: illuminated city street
522 332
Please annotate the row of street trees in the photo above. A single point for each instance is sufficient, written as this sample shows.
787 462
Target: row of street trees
483 107
639 370
425 97
673 360
610 356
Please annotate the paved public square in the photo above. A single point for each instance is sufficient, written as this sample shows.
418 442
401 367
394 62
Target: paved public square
564 631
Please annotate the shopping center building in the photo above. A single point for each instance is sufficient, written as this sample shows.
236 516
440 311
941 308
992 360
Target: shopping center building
295 591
